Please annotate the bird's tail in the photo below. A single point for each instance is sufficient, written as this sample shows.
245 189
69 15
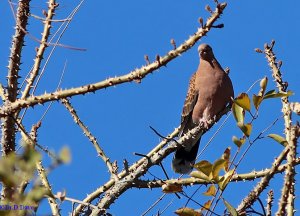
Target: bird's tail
184 159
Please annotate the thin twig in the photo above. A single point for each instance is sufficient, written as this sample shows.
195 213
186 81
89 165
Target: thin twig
92 138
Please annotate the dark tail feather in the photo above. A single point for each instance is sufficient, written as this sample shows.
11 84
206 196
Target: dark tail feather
184 160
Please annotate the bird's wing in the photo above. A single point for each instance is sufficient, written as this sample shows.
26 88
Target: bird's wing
189 103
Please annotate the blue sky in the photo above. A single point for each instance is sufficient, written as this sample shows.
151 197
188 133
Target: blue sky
117 35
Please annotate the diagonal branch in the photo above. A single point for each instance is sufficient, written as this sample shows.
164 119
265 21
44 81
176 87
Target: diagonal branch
134 75
125 183
254 194
288 192
41 49
93 139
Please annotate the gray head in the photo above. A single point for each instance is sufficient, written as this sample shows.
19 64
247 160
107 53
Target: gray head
205 52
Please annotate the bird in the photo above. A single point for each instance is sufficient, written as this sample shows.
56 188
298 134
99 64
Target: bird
210 90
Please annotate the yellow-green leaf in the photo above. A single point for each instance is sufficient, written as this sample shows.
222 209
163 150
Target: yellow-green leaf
257 101
206 205
238 142
187 212
204 166
278 139
230 208
226 157
246 128
211 191
274 94
217 166
171 188
65 155
263 86
243 101
238 113
200 175
225 179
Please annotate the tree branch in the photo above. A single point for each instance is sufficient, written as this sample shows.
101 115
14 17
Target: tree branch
8 125
288 192
134 75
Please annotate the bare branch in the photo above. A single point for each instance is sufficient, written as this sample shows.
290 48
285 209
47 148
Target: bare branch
89 135
288 192
254 194
137 74
8 126
41 49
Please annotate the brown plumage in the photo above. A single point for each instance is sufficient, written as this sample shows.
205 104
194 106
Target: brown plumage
210 90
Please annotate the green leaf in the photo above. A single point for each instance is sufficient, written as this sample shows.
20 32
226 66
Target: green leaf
187 212
263 85
278 139
274 94
257 101
200 175
65 155
204 166
238 113
230 208
211 191
226 157
238 142
217 166
243 101
246 128
225 179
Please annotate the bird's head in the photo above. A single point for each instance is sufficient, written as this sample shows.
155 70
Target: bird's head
205 52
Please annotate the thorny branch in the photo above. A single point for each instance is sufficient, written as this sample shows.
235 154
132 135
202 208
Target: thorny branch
134 75
288 193
8 125
114 189
93 139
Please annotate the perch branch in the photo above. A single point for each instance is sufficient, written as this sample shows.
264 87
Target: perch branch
196 181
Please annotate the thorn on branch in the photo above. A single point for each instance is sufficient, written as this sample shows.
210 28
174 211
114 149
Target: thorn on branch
272 44
218 26
201 22
157 57
173 43
227 70
266 46
126 165
279 64
146 57
258 50
208 9
222 6
45 13
141 155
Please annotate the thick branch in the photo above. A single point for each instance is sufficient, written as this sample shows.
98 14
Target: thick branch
8 126
196 181
135 75
254 194
125 183
288 192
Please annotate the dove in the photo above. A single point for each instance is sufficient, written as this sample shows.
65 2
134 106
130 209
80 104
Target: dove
210 90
